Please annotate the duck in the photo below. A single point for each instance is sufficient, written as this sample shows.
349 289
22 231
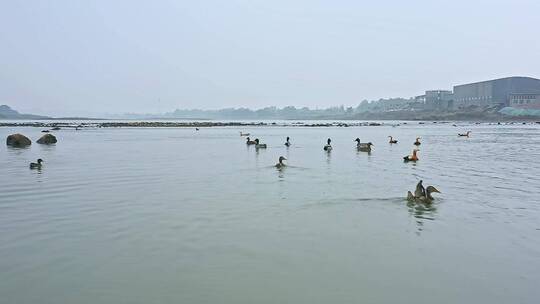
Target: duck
280 163
55 128
244 134
196 129
328 147
45 131
258 145
464 134
250 142
364 147
417 142
36 165
288 143
412 157
392 140
422 197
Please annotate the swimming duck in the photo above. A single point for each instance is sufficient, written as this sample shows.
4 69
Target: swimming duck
392 140
36 165
425 198
364 147
412 157
465 134
196 129
258 145
250 142
328 147
244 134
288 143
45 131
417 142
280 163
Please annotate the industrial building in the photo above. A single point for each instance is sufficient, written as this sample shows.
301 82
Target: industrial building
522 92
496 92
436 99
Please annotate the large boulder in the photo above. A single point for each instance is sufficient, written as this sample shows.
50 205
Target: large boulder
47 139
18 140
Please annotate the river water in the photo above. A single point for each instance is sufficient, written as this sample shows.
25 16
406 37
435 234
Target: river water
174 215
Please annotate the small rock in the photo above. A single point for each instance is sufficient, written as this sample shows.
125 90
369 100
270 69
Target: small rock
18 140
47 139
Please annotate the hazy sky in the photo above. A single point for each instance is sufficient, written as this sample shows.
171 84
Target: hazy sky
71 57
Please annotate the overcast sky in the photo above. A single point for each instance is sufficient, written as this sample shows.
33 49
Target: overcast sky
70 57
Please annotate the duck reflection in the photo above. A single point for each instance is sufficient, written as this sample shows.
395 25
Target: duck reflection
422 213
328 158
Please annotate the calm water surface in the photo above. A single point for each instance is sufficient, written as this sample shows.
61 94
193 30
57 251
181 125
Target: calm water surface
179 216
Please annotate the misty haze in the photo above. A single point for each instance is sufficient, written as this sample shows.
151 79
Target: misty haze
269 152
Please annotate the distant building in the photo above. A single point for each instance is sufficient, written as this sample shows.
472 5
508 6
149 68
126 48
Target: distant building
436 99
439 99
498 92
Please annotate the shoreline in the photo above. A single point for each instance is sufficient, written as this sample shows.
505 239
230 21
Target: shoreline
206 124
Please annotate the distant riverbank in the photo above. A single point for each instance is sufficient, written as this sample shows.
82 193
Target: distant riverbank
205 124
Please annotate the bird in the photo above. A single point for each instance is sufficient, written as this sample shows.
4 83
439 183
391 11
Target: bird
36 165
422 196
464 134
417 142
45 131
196 129
250 142
364 147
55 128
288 143
258 145
328 147
412 157
280 163
244 134
392 140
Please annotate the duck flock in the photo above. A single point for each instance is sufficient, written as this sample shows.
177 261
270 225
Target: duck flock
421 195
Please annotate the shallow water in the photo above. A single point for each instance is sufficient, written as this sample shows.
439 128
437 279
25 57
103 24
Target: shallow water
179 216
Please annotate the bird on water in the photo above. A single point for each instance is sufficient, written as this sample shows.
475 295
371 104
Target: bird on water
328 147
288 143
422 195
280 163
36 165
259 145
412 157
392 140
417 142
364 147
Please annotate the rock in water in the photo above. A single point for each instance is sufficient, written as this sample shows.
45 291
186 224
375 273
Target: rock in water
18 140
47 139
